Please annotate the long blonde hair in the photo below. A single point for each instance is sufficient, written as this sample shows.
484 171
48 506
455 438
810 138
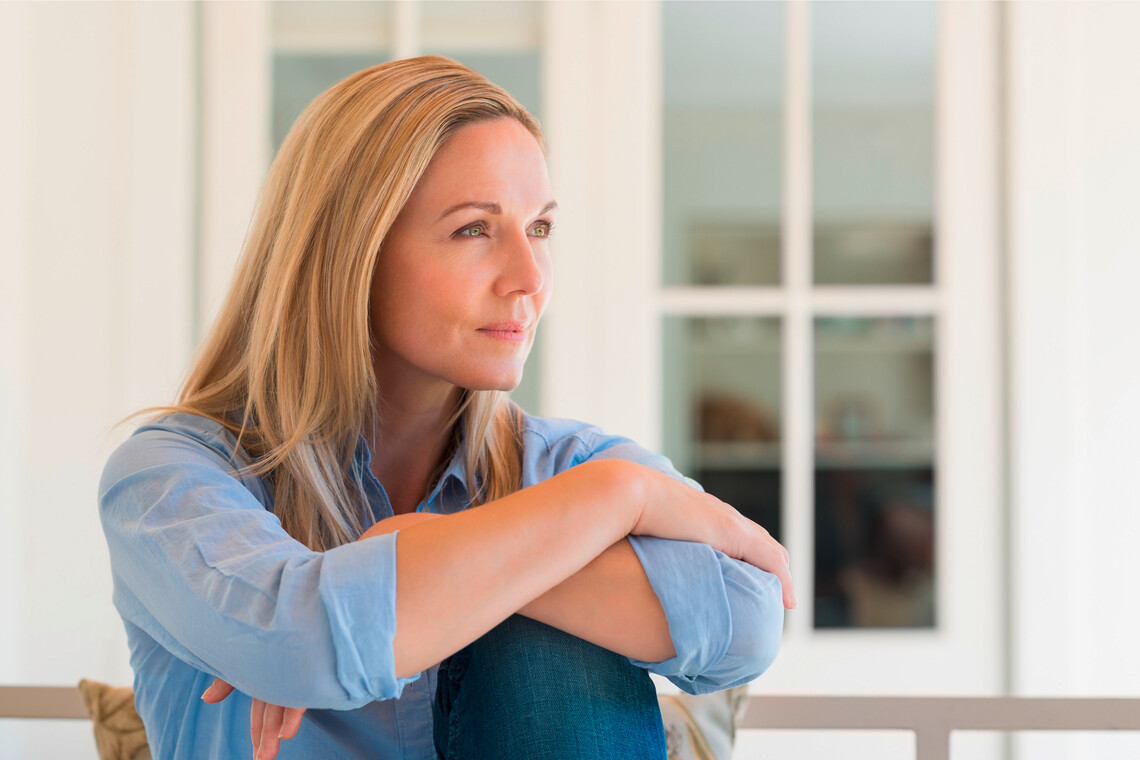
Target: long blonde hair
287 365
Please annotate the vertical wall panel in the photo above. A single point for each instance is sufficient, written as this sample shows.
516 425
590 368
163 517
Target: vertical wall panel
15 128
236 137
96 305
76 192
1075 261
601 84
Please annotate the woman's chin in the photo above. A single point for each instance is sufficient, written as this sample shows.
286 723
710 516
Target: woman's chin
499 382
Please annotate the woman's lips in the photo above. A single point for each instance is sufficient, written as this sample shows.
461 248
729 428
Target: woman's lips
514 332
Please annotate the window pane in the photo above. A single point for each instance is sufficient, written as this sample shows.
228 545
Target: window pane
722 409
874 477
723 72
317 44
873 100
500 40
300 77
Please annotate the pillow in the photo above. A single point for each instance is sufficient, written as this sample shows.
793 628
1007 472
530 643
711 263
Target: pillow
119 732
702 727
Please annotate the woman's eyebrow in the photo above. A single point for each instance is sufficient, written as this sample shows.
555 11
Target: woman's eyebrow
490 208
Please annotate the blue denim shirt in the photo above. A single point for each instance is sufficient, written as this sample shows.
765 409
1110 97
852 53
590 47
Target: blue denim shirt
208 583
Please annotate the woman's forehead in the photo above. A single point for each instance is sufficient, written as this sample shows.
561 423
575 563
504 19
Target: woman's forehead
491 162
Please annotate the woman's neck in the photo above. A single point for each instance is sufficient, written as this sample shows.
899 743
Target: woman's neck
408 445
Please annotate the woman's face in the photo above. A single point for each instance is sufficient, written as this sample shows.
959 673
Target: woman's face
465 272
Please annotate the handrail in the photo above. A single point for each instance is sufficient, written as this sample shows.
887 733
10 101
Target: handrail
41 702
932 719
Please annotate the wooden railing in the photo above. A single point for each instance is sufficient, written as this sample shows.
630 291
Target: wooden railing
41 702
932 719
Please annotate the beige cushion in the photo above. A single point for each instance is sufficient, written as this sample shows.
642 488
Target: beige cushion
119 732
704 727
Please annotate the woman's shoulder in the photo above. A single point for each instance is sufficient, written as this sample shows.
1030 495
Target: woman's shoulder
556 444
181 449
556 431
177 438
186 423
555 435
187 426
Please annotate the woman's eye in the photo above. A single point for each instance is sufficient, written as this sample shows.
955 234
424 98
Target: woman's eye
475 230
542 229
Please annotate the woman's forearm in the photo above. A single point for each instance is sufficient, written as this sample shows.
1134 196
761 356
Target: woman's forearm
609 602
456 578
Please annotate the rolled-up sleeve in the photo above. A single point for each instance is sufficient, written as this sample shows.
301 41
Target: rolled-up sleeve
725 616
202 567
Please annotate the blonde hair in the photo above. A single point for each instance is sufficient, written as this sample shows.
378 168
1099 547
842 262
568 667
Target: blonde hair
287 366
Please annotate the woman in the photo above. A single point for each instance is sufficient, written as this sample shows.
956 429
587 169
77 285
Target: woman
354 386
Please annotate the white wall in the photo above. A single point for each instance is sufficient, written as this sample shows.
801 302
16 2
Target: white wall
96 240
1074 163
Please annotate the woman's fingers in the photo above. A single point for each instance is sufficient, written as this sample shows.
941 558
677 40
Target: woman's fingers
291 723
270 739
256 717
673 509
269 724
746 540
769 555
217 691
782 571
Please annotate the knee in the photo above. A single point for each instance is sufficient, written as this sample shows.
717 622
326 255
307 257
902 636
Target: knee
521 657
531 652
527 682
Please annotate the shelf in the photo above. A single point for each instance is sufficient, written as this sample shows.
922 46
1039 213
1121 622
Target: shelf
829 345
874 454
737 455
830 455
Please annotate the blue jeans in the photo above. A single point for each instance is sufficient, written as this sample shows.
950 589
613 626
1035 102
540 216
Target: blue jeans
527 690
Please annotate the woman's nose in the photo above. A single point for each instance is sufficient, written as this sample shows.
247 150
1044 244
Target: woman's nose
521 272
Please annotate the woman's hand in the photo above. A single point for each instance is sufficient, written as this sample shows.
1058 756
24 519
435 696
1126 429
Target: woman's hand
672 509
270 724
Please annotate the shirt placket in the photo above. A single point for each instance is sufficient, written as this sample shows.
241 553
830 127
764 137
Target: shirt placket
414 719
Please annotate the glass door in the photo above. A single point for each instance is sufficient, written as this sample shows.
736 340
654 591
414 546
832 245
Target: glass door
827 259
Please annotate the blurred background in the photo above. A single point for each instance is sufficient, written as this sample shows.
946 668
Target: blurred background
864 269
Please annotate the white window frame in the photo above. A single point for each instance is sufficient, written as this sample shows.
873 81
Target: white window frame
605 59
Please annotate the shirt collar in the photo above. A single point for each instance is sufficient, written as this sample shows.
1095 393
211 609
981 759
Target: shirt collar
455 474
